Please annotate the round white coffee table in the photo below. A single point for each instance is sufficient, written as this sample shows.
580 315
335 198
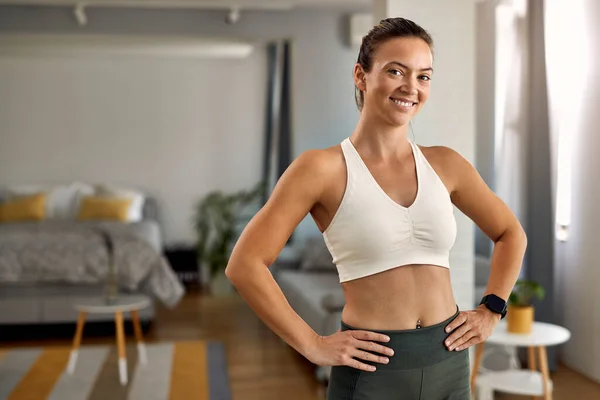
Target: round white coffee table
516 381
98 305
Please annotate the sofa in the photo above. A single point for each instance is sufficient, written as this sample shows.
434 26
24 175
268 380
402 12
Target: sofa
34 300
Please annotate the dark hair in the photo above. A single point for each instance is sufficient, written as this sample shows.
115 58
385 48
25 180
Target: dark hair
388 28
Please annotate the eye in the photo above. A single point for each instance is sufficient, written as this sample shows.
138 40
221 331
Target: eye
396 72
425 78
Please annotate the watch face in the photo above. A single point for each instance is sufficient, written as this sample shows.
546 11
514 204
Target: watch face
496 303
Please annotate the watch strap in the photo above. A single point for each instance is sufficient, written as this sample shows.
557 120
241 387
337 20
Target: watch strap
484 301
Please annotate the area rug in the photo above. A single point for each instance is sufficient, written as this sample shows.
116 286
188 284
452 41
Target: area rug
175 371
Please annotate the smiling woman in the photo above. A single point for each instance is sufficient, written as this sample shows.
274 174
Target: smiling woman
385 206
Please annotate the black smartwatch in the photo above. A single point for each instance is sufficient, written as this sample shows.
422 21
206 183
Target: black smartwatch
494 304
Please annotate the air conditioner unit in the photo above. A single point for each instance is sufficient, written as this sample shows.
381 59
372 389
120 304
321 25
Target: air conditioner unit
360 25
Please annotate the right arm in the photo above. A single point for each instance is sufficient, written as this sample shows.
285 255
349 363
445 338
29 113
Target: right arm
296 193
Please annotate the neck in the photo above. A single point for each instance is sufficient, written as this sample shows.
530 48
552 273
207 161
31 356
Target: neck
378 139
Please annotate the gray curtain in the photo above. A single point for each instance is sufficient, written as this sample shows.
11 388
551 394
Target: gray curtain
523 151
522 143
277 145
540 209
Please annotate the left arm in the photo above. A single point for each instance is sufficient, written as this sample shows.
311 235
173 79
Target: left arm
476 200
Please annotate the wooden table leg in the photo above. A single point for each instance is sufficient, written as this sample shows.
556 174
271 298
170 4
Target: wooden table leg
121 347
76 343
135 317
531 360
545 373
478 357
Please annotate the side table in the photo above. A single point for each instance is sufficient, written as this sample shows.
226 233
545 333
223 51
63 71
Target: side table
124 303
516 381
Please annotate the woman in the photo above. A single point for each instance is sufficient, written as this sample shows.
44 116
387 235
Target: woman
385 207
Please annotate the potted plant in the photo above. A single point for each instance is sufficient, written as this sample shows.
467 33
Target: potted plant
217 222
520 314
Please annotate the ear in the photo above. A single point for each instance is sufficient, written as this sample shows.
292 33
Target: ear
360 77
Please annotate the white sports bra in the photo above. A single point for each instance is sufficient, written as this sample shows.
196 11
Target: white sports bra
371 233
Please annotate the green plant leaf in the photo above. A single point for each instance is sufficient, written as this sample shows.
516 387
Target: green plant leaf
525 291
218 220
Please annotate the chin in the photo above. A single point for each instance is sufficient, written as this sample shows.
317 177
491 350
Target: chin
399 120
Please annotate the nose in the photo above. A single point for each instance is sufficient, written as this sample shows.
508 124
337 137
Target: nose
409 86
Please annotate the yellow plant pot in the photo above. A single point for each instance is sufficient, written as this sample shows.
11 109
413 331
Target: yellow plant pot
519 319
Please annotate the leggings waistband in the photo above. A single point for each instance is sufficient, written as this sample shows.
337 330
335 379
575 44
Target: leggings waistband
414 348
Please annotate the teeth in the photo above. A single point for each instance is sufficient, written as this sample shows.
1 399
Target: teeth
402 103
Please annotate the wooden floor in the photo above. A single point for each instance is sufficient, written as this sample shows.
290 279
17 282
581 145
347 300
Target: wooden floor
261 366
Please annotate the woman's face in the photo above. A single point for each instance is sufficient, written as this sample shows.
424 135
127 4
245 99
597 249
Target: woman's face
398 84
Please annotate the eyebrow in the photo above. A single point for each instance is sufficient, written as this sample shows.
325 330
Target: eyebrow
404 66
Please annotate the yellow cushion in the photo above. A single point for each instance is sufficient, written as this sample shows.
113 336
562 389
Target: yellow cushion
24 208
106 208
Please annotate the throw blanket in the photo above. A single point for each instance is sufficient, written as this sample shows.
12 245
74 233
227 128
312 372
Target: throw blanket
76 253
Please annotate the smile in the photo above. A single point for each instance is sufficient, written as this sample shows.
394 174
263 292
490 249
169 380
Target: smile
403 103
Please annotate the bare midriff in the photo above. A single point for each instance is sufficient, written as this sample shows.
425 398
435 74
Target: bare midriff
400 298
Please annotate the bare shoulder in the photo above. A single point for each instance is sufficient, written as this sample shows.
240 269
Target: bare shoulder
442 155
448 163
322 158
311 173
320 163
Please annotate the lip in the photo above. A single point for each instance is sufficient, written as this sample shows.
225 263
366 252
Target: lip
404 99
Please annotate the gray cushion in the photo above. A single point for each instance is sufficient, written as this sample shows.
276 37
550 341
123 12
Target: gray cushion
150 209
315 256
334 301
482 270
312 288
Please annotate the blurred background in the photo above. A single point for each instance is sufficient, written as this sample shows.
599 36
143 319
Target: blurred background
137 137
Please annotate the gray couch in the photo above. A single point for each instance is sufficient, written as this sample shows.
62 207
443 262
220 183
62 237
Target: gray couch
32 303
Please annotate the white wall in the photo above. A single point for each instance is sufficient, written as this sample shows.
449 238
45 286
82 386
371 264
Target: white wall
578 259
172 126
323 109
449 116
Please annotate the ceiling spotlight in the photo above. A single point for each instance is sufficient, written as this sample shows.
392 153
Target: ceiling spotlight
80 16
232 16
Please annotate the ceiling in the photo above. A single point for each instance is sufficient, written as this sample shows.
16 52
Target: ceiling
201 4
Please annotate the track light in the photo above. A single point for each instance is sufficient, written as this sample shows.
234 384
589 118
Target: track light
80 16
232 16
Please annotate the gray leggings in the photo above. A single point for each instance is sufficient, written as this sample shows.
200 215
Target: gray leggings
421 368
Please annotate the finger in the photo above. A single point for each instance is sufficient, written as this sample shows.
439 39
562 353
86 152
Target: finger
462 340
373 347
458 321
359 365
457 334
367 335
469 343
365 355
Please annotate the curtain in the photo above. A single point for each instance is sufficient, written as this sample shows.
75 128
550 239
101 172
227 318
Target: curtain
278 133
277 147
511 105
572 124
522 140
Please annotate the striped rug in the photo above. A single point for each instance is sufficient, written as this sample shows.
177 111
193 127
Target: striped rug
175 370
